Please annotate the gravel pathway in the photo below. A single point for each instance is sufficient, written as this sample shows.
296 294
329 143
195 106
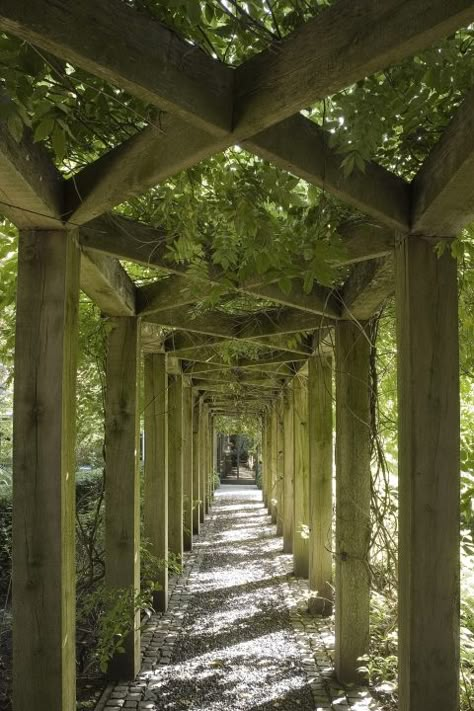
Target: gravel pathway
236 635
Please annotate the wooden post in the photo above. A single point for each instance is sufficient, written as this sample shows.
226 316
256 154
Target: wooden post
188 468
196 469
175 464
274 462
266 482
320 485
428 387
155 504
210 458
122 488
352 499
204 462
301 478
289 468
44 667
279 464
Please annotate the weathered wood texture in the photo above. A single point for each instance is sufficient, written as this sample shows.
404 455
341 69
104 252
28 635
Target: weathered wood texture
157 65
367 288
141 162
197 504
107 284
300 146
155 498
31 192
301 478
187 467
442 193
122 489
175 464
344 43
320 404
265 461
44 666
352 499
273 462
428 387
280 464
289 468
204 461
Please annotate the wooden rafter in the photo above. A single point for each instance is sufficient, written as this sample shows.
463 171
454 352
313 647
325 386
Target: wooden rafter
106 283
299 146
369 285
31 193
162 69
135 241
216 323
443 194
129 50
346 42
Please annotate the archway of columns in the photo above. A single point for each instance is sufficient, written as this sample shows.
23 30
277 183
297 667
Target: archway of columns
240 188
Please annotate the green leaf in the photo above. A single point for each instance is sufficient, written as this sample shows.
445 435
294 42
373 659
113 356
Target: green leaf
43 129
58 139
285 285
15 126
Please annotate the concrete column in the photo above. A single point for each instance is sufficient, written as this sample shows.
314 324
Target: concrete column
352 499
43 472
155 495
428 401
175 464
320 485
301 478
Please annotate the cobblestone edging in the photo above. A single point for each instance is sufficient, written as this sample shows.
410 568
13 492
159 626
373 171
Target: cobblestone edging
316 638
159 636
312 637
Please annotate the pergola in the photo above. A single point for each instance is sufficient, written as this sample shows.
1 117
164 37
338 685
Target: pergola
70 240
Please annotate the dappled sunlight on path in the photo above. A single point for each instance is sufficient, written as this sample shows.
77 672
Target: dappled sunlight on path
236 635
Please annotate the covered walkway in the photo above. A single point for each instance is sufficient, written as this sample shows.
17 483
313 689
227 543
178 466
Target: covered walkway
237 635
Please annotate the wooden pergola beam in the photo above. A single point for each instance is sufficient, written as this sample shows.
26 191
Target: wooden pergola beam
215 323
140 163
196 369
107 284
134 52
442 191
186 82
31 189
299 146
369 285
128 239
344 43
182 290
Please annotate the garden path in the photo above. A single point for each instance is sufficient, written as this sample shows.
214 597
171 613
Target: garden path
236 636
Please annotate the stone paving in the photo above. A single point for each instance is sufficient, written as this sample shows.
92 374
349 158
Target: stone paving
237 634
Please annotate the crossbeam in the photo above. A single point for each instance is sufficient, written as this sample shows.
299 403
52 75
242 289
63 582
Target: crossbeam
443 194
317 60
30 186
